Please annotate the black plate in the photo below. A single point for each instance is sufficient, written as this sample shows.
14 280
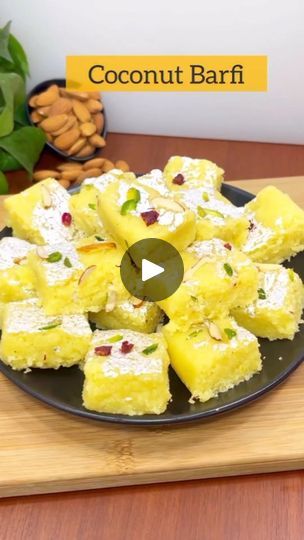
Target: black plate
62 388
28 109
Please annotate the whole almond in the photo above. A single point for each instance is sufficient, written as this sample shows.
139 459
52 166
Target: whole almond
53 123
98 119
43 174
91 173
69 165
92 163
70 123
43 111
32 101
81 111
49 137
35 117
77 146
93 105
60 106
81 96
87 129
95 95
67 139
65 183
48 97
122 165
86 151
108 166
71 174
97 140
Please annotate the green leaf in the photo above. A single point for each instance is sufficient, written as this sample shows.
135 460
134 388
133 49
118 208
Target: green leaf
12 91
3 184
4 42
25 145
8 162
150 349
20 115
18 56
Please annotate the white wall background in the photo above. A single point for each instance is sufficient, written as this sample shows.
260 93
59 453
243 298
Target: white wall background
52 29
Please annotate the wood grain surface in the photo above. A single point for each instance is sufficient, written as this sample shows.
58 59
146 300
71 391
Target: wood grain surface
78 454
257 507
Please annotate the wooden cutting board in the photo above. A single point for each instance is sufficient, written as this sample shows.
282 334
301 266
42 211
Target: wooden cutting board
43 450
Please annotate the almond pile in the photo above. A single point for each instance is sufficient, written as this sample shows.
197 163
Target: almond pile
72 121
71 172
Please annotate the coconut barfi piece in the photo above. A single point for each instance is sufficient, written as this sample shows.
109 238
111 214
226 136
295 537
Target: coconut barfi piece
276 314
41 214
194 172
16 278
76 279
126 372
32 339
132 212
83 205
212 357
217 277
130 313
276 230
216 216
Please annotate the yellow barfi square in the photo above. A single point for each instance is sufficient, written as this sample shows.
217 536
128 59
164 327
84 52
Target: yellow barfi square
276 313
32 339
130 313
212 357
217 278
16 278
126 372
276 229
195 172
131 212
41 214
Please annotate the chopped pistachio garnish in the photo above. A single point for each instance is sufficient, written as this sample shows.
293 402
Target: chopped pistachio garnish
92 206
150 349
116 338
133 195
50 326
194 298
291 274
230 333
228 269
56 256
67 262
261 294
205 196
195 333
214 212
128 206
99 239
201 211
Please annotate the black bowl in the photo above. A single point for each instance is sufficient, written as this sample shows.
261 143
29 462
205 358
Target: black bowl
62 388
62 83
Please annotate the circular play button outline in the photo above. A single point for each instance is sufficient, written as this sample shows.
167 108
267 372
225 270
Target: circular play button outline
151 269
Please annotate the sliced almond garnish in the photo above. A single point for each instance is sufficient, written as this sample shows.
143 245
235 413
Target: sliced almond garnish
46 197
96 247
168 204
111 301
86 273
19 260
213 330
42 252
136 302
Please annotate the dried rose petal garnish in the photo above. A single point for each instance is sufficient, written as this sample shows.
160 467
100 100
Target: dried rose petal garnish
150 217
179 179
126 347
66 219
228 246
103 350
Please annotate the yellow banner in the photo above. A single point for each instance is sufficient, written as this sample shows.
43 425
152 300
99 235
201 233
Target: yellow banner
167 73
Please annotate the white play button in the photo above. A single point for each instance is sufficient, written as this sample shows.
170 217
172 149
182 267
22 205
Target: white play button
150 270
